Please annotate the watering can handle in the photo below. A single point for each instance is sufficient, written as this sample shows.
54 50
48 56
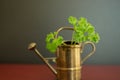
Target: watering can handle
63 28
88 42
91 53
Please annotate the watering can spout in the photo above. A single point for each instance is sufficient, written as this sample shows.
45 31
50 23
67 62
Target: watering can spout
32 46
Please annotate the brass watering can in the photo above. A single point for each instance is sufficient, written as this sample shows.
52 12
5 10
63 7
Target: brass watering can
68 58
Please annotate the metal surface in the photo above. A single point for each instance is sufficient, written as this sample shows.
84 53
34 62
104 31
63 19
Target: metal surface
68 58
91 53
68 62
32 46
82 46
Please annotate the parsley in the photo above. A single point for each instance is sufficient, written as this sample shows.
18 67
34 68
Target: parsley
52 43
83 31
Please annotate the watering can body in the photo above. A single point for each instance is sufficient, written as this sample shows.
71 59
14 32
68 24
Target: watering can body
68 62
68 59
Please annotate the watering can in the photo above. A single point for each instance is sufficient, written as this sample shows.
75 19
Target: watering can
68 58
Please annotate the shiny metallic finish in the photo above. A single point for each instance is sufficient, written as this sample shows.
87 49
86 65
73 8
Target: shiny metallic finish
68 58
32 46
68 62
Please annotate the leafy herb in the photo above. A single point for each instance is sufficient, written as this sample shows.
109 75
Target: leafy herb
83 31
52 43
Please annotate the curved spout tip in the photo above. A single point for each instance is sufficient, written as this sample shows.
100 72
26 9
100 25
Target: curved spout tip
32 46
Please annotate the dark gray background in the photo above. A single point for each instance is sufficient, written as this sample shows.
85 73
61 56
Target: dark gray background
25 21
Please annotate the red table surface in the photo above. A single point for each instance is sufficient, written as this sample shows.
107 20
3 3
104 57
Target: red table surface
42 72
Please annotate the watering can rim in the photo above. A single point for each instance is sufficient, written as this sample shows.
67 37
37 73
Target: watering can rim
70 44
